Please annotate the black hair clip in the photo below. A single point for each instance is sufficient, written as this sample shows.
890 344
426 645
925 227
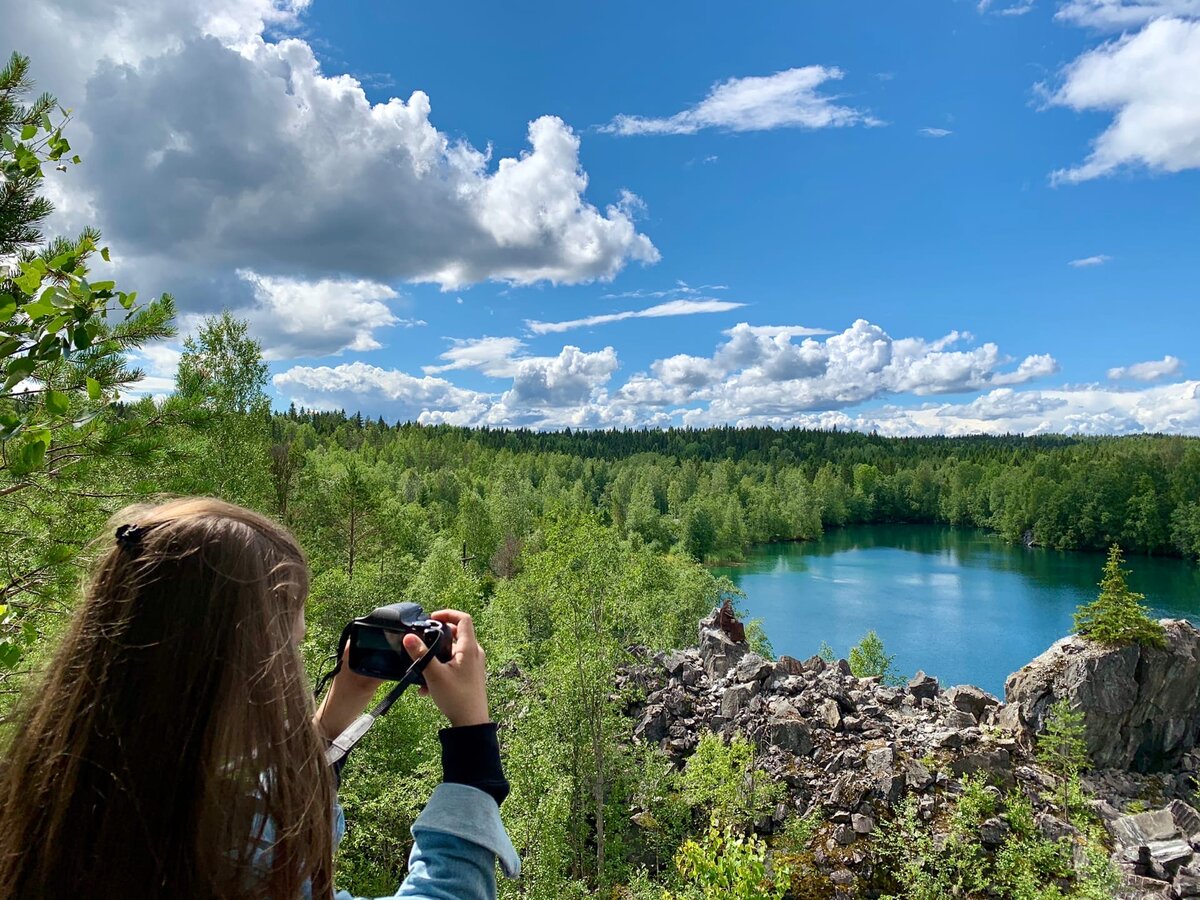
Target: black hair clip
130 536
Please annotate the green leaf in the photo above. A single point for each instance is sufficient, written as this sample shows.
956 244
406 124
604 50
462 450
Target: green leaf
21 366
57 403
7 141
33 455
28 282
47 125
100 286
39 308
93 388
29 132
10 655
82 337
103 250
8 306
75 159
3 610
62 259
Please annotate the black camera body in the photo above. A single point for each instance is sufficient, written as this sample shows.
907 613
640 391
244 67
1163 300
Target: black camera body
377 641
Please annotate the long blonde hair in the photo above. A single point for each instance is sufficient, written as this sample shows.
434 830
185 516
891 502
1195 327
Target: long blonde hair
173 723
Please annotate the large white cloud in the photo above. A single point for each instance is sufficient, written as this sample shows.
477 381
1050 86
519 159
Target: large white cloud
787 99
1150 82
209 148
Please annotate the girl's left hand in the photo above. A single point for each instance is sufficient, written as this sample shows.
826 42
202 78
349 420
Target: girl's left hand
349 696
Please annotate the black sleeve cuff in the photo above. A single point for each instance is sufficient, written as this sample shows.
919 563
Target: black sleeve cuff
471 756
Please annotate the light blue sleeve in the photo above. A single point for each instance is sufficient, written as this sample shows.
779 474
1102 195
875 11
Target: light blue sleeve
457 840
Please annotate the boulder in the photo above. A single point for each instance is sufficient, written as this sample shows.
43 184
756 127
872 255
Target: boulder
1140 703
788 665
790 734
970 699
719 652
752 667
923 687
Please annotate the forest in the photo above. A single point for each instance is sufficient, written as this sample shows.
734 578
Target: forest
568 548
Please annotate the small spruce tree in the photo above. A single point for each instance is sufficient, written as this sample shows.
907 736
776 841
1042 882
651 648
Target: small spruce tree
1117 617
1062 747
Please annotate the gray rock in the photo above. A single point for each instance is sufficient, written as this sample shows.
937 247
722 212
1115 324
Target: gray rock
1187 820
790 734
1140 703
829 713
992 832
862 824
844 835
1187 885
1139 830
736 698
1170 854
880 761
753 667
923 687
916 775
970 699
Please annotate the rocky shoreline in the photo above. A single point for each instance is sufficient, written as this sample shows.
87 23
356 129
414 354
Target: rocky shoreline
854 747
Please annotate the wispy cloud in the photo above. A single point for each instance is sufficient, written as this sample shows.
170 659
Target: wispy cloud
1016 9
1151 370
935 132
681 289
1088 261
670 308
787 99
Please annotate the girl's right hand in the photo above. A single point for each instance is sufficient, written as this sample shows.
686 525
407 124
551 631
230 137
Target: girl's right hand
459 687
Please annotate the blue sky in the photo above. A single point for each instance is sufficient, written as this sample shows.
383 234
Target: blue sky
955 216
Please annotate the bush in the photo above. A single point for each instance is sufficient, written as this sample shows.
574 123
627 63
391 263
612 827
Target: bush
725 865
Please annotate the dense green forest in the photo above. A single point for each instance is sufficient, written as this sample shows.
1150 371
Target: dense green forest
568 548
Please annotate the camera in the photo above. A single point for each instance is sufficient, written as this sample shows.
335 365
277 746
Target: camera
377 641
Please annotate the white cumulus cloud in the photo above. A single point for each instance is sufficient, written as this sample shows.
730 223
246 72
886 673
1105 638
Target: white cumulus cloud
1150 82
292 317
1089 261
211 147
1152 370
787 99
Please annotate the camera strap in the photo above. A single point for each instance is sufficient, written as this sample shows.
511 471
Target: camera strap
345 741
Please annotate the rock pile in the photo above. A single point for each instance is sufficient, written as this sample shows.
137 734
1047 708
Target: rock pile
855 746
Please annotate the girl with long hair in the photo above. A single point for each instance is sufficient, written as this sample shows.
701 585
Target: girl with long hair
172 749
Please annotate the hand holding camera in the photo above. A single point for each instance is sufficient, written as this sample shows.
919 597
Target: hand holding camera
458 686
399 643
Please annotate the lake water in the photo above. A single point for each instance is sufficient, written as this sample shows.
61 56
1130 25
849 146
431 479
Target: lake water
960 604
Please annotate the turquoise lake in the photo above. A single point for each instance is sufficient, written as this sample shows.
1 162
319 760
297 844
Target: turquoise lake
961 604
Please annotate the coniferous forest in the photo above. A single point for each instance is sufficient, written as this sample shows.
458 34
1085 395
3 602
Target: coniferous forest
567 548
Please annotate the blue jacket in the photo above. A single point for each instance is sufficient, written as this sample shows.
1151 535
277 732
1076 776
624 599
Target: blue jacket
457 839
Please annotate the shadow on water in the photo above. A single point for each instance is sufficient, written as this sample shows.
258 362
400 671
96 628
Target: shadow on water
959 603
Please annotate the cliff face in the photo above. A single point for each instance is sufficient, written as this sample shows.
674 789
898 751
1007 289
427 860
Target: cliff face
1140 703
854 747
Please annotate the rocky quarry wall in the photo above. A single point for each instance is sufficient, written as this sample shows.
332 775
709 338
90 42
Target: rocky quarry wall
855 746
